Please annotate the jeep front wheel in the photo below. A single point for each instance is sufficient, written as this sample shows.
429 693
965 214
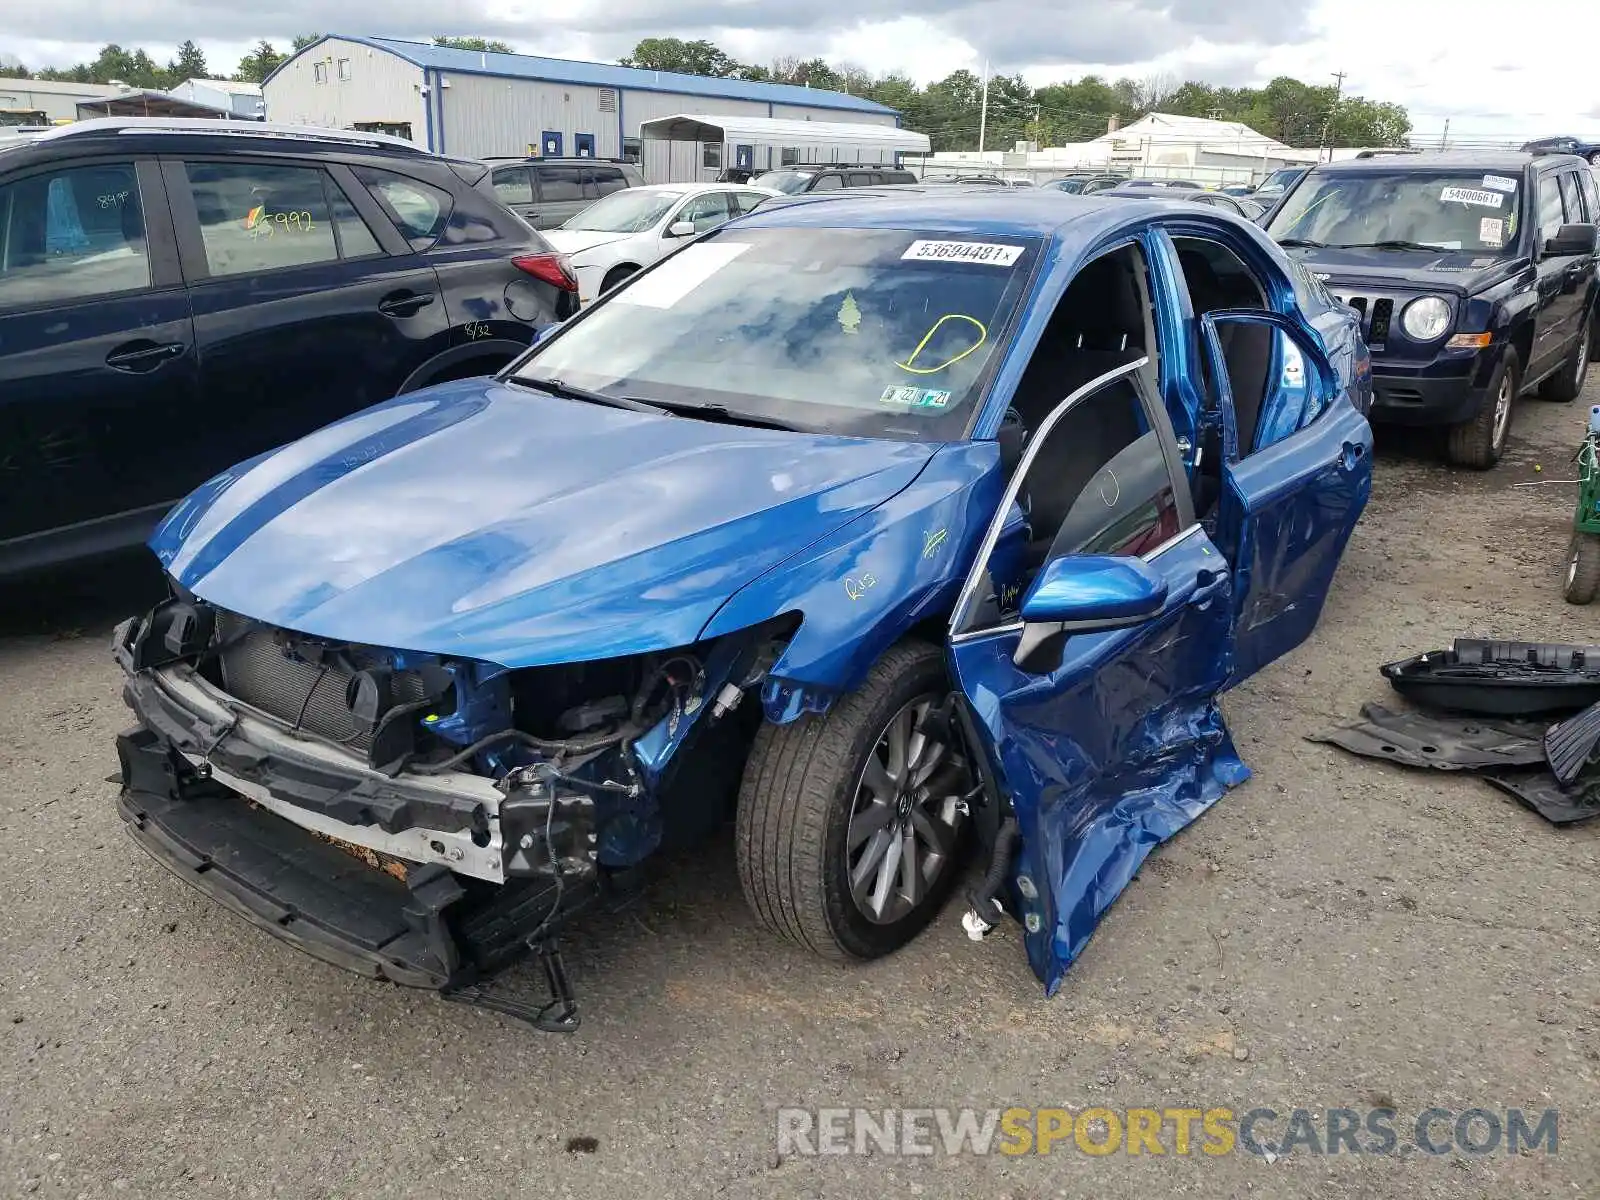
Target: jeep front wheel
1480 441
850 823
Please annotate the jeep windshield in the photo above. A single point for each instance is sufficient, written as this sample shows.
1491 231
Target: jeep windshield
861 332
1404 211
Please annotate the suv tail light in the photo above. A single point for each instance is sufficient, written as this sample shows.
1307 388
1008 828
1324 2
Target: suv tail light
551 268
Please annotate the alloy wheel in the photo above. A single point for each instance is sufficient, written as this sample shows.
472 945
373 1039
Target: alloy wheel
1502 410
907 812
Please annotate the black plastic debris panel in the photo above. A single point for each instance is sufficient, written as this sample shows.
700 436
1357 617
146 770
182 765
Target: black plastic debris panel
1500 678
1511 755
1574 744
1442 743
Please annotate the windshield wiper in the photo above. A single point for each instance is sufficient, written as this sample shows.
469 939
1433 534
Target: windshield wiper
726 415
1303 242
1389 244
558 388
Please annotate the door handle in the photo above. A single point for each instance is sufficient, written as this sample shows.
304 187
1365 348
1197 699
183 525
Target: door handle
404 304
138 357
1207 586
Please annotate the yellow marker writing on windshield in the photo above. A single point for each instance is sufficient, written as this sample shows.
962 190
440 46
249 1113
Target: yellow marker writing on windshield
909 364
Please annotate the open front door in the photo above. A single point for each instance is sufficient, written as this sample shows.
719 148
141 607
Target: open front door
1089 644
1296 475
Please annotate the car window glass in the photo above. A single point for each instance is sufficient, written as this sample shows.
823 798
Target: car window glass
1432 210
705 212
1570 197
1098 483
1591 193
827 183
558 184
511 185
746 201
419 209
72 234
1551 215
355 239
260 217
608 180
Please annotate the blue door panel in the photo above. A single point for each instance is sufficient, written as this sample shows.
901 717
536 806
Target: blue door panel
1288 512
585 144
550 144
1109 755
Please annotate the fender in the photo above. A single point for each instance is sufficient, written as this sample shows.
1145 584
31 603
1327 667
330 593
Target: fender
866 585
487 348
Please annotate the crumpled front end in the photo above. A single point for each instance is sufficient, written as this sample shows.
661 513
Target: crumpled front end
414 817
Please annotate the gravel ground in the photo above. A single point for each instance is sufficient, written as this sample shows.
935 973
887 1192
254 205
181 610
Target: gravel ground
1336 933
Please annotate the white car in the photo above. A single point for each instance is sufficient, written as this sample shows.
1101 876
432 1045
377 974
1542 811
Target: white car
628 230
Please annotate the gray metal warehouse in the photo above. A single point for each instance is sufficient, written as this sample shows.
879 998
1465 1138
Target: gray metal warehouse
482 105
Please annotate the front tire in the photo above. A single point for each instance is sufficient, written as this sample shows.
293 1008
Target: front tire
1480 441
1583 568
1567 383
850 823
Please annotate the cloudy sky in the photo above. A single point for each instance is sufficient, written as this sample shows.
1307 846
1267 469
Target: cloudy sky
1492 68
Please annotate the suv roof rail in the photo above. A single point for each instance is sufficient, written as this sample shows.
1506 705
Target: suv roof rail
210 125
1388 150
560 158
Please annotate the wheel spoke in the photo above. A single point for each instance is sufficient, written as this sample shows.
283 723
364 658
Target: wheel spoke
868 821
936 835
871 858
877 781
928 764
910 871
889 868
899 743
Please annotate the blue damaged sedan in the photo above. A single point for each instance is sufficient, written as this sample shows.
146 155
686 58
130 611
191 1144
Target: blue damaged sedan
898 533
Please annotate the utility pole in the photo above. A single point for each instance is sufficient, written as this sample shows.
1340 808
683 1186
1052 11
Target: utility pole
1338 92
983 112
1444 138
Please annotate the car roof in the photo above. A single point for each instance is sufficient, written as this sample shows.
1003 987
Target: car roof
1445 160
967 212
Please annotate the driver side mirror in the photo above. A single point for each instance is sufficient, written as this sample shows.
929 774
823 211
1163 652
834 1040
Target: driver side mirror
1084 593
680 229
1571 240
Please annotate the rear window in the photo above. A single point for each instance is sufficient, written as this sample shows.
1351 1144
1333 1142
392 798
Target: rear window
883 333
790 182
419 210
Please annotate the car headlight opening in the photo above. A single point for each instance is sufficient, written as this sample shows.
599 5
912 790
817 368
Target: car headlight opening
1426 319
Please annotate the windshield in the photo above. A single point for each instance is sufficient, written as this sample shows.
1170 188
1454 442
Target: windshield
790 182
1279 181
1433 210
630 211
864 332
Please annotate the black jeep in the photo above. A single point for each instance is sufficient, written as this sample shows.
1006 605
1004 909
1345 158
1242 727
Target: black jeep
1475 275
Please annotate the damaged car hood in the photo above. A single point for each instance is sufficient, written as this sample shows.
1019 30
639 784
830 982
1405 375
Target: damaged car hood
492 521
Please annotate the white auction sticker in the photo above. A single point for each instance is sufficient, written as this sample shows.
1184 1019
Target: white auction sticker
988 254
1491 231
1499 183
1473 196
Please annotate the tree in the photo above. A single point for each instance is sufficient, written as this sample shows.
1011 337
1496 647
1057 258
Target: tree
688 58
302 40
190 63
259 63
482 45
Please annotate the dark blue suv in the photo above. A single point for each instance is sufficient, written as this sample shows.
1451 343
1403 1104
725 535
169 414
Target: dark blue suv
1474 274
180 296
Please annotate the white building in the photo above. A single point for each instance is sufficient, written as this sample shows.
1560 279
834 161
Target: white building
697 147
478 105
1158 145
57 100
241 99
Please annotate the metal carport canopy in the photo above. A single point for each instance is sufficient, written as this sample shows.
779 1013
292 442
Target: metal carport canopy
774 131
